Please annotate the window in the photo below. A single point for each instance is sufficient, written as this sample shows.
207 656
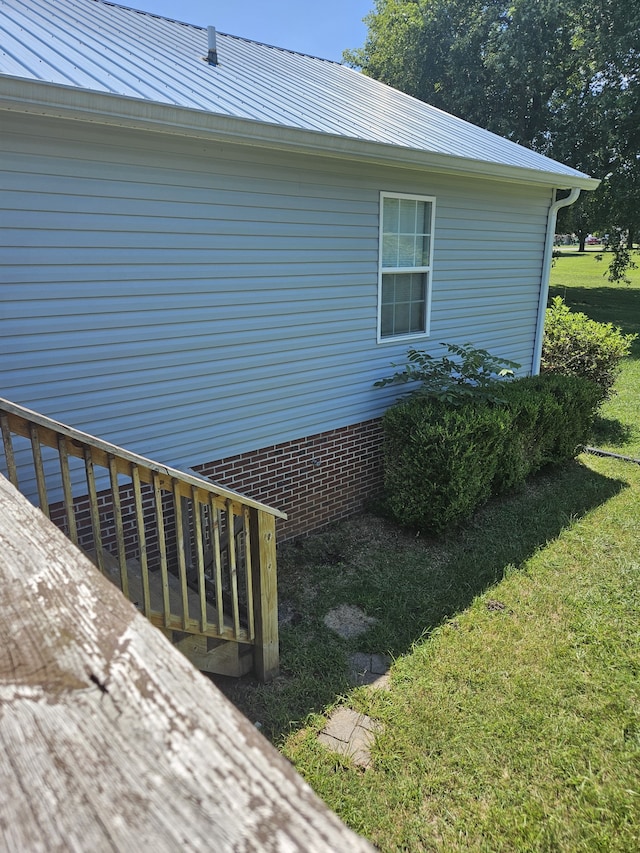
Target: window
406 251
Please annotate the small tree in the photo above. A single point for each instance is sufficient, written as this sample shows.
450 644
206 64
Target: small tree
465 372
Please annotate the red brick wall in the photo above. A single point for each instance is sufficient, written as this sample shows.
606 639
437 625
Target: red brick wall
315 480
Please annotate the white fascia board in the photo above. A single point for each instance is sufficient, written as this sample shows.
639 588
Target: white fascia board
57 101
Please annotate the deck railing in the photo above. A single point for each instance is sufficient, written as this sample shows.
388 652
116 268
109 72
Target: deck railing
196 559
110 740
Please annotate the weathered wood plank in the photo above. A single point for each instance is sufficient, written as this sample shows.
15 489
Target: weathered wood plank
109 738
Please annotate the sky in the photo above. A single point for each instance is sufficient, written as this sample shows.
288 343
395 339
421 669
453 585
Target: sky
322 28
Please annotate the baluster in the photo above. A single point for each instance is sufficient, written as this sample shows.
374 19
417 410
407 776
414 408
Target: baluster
63 453
217 561
93 507
233 573
182 565
162 547
247 563
142 539
12 471
197 524
39 469
117 512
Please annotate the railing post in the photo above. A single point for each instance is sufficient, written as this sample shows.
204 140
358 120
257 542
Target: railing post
265 595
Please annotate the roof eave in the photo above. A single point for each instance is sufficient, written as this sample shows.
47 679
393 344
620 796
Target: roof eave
57 101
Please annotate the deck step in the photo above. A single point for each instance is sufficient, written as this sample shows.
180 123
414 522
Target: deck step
220 657
134 576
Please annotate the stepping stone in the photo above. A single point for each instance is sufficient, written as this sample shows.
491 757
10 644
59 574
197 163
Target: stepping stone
350 734
370 670
348 621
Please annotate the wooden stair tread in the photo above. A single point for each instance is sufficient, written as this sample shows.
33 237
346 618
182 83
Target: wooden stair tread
222 657
134 576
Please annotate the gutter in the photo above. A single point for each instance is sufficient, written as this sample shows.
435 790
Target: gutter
546 271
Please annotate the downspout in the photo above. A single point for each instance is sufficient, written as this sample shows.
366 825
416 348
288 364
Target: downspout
546 271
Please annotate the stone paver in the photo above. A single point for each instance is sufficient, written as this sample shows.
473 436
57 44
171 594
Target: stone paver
348 621
371 670
350 734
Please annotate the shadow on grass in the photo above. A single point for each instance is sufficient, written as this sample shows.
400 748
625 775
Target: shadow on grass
610 431
410 584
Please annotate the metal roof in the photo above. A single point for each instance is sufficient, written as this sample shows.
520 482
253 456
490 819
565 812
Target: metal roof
100 47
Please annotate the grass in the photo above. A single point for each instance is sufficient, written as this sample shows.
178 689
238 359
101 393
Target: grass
579 280
513 718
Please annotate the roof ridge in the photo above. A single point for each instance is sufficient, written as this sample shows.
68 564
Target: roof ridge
227 35
148 14
283 49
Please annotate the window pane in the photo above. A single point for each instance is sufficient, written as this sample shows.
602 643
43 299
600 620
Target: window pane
406 250
389 250
388 289
402 288
403 304
407 216
390 215
401 324
406 241
417 286
386 321
423 249
417 317
424 218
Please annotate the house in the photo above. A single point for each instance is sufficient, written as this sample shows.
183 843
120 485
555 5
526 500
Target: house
212 248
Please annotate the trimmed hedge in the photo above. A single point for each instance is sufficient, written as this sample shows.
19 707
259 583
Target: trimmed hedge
442 462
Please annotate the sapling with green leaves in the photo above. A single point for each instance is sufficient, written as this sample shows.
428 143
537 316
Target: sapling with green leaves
464 372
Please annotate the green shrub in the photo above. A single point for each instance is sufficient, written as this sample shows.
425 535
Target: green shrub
576 345
551 418
442 462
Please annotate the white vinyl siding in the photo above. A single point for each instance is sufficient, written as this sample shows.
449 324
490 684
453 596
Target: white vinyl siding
192 300
404 277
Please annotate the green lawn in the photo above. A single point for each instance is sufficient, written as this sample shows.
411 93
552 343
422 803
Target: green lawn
513 719
579 280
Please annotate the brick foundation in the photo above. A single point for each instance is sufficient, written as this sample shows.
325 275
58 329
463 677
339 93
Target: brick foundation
315 480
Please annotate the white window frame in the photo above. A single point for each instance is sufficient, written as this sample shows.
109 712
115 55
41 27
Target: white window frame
426 270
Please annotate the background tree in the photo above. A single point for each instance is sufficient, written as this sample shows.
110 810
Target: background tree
559 76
